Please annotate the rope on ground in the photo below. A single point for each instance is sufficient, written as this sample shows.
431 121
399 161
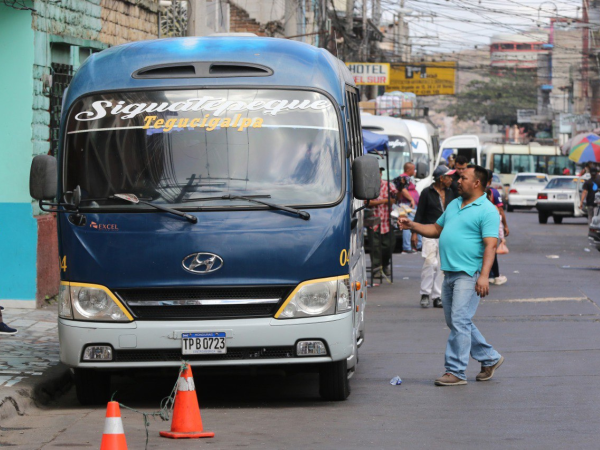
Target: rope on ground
166 405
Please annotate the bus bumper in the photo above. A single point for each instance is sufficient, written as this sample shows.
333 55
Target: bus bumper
259 341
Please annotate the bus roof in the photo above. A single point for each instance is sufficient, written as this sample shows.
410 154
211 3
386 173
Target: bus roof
528 149
293 64
385 125
421 130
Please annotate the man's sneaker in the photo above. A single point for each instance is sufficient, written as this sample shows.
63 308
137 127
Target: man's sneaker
488 372
411 251
449 380
501 279
492 280
5 329
387 271
437 303
424 301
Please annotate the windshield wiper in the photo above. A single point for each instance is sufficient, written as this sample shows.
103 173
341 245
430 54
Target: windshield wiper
252 198
131 198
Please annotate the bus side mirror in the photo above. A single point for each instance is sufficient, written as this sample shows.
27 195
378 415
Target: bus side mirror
422 170
43 177
365 177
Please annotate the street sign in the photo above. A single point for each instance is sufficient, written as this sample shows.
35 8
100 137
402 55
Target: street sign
526 115
374 74
432 78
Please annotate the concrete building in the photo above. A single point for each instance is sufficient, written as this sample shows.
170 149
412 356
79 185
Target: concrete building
42 47
276 18
517 51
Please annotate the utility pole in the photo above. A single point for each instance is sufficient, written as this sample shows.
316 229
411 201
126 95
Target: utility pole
401 31
586 53
365 42
196 25
376 11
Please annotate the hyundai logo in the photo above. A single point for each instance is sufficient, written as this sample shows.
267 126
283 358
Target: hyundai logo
202 263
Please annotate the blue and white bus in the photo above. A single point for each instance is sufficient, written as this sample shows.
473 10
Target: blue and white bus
209 194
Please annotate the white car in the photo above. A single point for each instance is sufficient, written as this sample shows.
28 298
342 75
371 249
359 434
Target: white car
560 198
524 190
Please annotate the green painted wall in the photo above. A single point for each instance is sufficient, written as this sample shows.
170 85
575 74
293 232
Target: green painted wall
16 98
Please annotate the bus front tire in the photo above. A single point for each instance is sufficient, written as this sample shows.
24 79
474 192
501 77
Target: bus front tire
334 384
92 387
542 217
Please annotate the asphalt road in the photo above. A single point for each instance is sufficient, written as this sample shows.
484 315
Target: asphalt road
545 321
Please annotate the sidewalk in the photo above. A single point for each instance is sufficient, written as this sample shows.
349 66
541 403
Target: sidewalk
30 371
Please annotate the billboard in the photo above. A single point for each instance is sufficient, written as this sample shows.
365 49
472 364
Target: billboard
431 78
526 115
373 74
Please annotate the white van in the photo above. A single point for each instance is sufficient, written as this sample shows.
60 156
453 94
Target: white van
425 148
464 144
399 144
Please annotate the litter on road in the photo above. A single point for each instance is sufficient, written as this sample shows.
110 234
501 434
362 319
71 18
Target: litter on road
396 381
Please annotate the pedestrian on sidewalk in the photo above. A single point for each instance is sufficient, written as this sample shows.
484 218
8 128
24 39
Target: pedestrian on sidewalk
468 233
495 276
5 329
382 236
412 201
432 204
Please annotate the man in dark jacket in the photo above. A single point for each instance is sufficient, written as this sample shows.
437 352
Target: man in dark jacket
460 165
432 204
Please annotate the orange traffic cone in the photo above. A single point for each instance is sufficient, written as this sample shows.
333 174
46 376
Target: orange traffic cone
114 436
187 422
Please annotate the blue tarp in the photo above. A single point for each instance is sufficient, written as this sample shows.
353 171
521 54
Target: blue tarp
373 141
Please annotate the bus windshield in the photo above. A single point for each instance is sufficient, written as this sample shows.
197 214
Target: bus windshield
399 154
186 147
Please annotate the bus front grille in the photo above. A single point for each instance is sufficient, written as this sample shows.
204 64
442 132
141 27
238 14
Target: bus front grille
190 303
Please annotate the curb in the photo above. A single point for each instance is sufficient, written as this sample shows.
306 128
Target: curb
35 392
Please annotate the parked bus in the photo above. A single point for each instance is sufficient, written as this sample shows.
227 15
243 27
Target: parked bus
425 146
399 145
209 209
508 160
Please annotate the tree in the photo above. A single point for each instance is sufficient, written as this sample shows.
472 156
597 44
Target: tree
496 99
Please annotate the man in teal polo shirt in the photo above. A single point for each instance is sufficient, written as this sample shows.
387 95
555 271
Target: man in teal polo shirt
468 233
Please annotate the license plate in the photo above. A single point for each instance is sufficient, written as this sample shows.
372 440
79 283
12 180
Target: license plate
531 202
203 343
562 196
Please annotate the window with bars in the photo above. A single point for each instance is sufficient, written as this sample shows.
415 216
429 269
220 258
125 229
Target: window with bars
353 122
62 74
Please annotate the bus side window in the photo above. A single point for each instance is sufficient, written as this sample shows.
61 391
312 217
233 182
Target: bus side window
350 126
353 117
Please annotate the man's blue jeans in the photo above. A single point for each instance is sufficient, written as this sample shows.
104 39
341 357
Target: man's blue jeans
460 303
406 234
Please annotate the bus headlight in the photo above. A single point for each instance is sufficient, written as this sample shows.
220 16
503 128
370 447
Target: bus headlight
318 298
94 303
